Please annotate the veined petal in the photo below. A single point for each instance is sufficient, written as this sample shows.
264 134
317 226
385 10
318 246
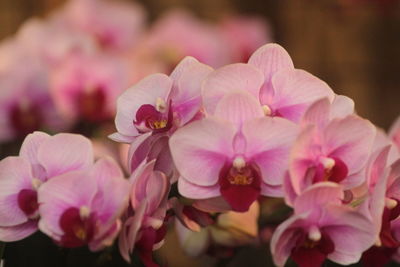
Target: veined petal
18 232
350 139
65 152
238 107
228 79
72 189
15 175
268 143
284 238
200 149
351 232
295 91
189 190
30 146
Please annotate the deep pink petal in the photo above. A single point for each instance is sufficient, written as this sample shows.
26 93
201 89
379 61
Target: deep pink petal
228 79
208 144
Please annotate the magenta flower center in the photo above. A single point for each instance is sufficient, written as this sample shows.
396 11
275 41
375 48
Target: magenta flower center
91 105
148 118
331 169
25 118
240 185
27 202
312 253
79 227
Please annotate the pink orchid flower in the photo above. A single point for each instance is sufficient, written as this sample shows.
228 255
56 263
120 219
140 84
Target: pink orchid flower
270 76
61 40
330 149
150 111
394 133
86 87
25 102
177 34
78 207
20 178
238 154
385 210
116 26
144 228
322 227
244 34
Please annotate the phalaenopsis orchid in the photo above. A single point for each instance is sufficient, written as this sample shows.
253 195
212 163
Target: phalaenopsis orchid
248 154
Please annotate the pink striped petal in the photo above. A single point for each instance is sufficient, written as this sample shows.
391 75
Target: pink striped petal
65 152
201 148
15 175
228 79
268 143
18 232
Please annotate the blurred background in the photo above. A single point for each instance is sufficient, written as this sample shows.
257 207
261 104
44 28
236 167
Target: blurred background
354 45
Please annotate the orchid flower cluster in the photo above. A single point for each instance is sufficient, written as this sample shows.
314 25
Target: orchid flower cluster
208 147
65 72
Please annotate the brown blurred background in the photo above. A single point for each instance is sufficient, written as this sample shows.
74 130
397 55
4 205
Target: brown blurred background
354 45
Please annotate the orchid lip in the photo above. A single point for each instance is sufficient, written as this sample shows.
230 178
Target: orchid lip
154 118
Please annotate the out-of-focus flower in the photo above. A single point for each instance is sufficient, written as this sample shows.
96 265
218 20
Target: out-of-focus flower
245 35
383 198
172 37
144 227
231 229
115 26
78 207
282 90
61 40
41 158
25 102
237 154
86 87
322 227
331 149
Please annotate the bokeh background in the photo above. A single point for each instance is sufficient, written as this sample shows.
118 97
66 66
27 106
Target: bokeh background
354 45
